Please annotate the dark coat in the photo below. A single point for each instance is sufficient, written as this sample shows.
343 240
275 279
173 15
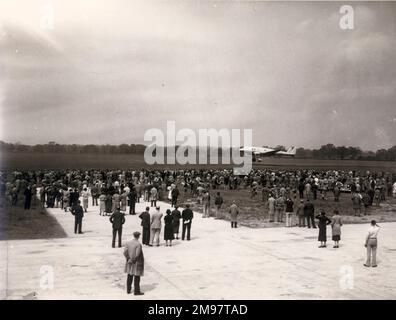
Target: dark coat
78 212
175 193
145 216
109 203
28 193
218 201
289 205
132 196
309 209
168 230
187 214
176 215
323 222
73 197
117 219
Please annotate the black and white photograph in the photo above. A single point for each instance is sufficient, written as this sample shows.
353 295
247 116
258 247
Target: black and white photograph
197 150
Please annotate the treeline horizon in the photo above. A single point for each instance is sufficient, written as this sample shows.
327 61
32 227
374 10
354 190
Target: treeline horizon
326 152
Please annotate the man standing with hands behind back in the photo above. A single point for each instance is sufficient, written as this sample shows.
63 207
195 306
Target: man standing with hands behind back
134 265
371 245
145 217
187 216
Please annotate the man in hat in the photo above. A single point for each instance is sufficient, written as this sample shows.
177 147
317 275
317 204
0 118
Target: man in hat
134 265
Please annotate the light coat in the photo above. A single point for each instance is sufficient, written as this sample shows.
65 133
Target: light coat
336 224
156 220
234 211
133 253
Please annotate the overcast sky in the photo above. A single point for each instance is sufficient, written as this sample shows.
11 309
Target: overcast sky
110 70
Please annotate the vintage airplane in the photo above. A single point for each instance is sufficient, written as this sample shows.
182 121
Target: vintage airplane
258 152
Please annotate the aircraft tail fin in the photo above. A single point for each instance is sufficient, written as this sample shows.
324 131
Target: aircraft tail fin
290 152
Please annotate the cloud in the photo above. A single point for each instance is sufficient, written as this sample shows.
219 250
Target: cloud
110 71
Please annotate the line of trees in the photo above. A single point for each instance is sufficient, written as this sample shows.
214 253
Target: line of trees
328 151
53 147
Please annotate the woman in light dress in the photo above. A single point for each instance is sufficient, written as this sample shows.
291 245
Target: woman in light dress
123 201
102 203
85 195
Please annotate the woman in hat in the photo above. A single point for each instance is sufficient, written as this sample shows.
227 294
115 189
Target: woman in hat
168 232
336 224
323 222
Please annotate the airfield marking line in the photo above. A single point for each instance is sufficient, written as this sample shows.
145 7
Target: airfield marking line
258 248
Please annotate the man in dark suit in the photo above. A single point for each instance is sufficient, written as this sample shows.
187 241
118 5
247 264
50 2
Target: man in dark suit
117 219
78 213
187 216
132 200
145 216
74 198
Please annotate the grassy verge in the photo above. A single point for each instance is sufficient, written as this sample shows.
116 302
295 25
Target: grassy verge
254 213
19 224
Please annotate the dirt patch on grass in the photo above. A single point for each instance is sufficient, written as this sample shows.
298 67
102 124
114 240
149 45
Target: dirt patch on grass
254 212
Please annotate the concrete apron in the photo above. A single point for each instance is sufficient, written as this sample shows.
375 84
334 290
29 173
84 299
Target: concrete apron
218 263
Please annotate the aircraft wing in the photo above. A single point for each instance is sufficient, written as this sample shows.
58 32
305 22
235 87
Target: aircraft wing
267 152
